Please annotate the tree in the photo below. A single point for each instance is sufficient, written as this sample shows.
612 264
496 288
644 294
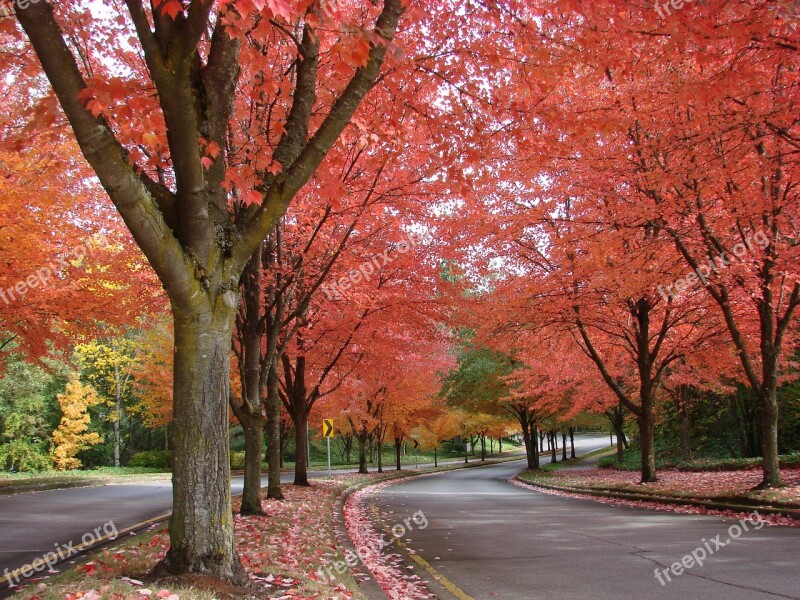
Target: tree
72 435
164 160
109 367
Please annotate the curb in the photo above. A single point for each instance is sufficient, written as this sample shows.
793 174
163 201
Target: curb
769 510
6 490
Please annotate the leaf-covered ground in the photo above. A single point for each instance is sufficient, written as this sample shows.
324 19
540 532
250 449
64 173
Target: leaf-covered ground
723 486
283 551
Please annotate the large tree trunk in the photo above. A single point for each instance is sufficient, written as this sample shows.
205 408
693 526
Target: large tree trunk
380 457
200 458
563 445
301 452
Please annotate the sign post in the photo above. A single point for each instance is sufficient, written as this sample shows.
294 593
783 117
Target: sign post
327 432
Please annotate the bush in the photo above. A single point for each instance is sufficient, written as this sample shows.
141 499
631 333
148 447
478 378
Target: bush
152 459
237 461
21 455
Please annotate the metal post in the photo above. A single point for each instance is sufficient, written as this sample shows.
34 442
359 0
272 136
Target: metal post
329 456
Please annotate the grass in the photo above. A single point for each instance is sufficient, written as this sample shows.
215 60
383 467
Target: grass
79 473
633 462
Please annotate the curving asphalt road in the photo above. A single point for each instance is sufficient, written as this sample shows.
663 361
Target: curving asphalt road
487 539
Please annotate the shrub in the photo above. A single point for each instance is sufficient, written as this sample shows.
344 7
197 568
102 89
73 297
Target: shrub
22 455
152 459
237 461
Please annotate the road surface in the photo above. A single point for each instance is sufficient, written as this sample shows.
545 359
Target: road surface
488 539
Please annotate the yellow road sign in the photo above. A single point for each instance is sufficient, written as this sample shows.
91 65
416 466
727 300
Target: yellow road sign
327 428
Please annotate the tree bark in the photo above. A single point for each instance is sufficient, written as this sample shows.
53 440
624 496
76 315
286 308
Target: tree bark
646 439
274 491
200 458
253 453
563 445
301 450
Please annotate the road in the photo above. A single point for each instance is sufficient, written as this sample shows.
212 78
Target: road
35 523
488 539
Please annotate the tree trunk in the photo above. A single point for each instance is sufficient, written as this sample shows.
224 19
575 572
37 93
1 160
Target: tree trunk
200 458
435 458
301 451
483 448
646 438
253 451
362 454
274 435
380 457
398 442
535 433
683 411
551 440
466 452
530 444
500 445
572 442
563 445
768 419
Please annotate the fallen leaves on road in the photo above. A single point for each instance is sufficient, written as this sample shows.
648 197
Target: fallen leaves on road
385 564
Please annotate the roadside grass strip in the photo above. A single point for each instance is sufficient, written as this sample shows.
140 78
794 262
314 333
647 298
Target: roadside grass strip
589 485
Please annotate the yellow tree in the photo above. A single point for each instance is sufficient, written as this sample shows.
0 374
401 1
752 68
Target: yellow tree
433 432
108 365
72 435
